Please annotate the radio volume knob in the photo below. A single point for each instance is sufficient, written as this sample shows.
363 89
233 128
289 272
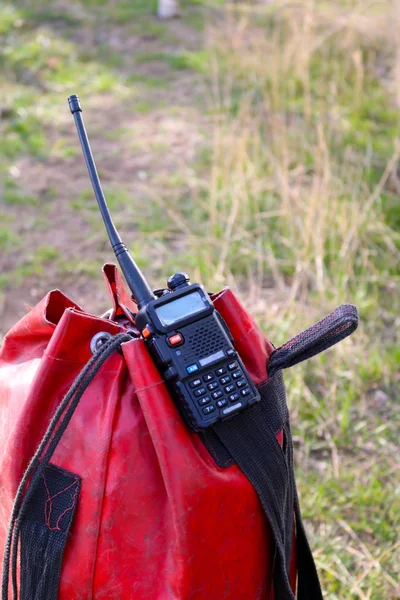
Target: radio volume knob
177 281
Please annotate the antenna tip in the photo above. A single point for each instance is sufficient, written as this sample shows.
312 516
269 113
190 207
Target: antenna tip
74 103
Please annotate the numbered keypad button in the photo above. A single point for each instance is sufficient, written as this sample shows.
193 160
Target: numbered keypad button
208 409
237 374
245 391
225 380
204 400
234 397
222 403
217 394
200 392
229 388
213 385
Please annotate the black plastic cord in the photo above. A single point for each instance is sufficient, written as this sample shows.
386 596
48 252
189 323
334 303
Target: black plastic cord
68 404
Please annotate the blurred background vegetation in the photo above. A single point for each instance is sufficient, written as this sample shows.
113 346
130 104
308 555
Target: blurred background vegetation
254 144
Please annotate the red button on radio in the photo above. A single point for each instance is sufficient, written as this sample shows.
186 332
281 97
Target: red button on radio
175 339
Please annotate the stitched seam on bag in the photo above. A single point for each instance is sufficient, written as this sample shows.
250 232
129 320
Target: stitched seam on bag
106 468
220 294
246 334
229 462
76 362
148 387
261 387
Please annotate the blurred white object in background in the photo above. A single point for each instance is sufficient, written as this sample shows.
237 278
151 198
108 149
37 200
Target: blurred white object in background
167 8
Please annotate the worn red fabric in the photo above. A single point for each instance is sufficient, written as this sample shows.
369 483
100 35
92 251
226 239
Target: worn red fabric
156 518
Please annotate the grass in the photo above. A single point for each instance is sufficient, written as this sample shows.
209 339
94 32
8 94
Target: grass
198 61
289 195
302 197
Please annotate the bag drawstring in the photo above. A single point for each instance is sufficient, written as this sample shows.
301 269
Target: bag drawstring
38 465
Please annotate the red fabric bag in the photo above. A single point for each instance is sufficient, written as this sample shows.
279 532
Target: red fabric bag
137 498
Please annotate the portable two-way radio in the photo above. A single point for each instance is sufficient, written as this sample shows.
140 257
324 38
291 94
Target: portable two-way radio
186 337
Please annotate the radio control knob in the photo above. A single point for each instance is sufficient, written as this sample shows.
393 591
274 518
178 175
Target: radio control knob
170 373
177 281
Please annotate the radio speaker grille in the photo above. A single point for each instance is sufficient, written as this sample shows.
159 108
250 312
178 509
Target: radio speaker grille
203 340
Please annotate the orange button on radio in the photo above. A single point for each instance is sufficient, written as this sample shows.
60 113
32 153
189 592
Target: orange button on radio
146 332
175 339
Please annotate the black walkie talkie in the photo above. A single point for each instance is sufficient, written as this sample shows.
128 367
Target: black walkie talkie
186 337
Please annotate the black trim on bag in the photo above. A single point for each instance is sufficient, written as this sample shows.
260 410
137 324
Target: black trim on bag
44 532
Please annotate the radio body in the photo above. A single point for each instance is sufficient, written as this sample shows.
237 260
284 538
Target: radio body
192 348
187 338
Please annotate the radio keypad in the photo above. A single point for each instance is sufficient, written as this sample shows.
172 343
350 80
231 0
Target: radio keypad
230 382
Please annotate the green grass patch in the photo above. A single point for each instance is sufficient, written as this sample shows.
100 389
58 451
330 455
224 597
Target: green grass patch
149 81
196 61
13 195
8 239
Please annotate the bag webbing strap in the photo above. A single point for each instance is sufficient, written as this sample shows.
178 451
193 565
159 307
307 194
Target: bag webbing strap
308 585
329 331
44 532
250 439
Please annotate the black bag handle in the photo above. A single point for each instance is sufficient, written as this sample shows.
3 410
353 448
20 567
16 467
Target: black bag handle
250 439
331 329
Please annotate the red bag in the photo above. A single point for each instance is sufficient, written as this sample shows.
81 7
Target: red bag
134 505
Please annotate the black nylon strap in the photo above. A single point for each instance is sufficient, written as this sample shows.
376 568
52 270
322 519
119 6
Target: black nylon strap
44 531
329 331
251 441
308 584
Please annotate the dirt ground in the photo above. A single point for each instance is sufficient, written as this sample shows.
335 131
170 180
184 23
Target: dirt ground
137 152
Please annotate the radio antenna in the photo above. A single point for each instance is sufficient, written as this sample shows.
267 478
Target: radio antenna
138 285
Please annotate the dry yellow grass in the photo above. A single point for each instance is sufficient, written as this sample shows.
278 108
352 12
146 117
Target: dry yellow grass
304 165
